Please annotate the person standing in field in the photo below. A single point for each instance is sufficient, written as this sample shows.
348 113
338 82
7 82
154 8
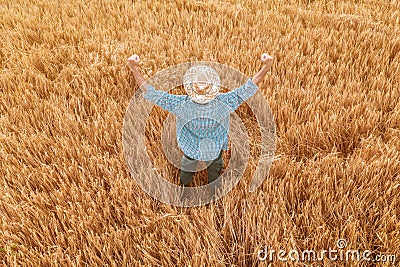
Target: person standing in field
203 115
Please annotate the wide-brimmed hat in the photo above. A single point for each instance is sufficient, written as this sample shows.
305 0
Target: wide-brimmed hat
201 83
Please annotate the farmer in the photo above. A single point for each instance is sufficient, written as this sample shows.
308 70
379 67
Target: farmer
203 115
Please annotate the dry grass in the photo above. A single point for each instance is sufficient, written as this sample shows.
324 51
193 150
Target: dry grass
66 198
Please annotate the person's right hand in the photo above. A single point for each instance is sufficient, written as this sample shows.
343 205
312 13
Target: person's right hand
267 60
133 61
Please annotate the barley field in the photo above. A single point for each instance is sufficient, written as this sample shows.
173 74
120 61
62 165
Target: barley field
66 195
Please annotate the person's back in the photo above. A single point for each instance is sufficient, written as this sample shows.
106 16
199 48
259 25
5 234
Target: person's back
202 128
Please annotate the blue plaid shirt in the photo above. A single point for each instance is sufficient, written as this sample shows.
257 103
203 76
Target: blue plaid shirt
202 129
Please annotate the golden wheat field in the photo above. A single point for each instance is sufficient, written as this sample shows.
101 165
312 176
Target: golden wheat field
66 195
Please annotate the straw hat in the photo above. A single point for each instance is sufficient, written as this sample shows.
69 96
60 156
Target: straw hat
201 83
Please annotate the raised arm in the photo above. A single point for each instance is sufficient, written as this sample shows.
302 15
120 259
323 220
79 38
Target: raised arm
133 64
233 99
266 65
163 99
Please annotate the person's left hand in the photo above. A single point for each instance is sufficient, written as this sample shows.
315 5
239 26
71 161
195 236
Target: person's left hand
267 60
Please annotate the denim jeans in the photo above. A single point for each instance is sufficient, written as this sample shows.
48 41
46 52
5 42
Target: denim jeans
189 165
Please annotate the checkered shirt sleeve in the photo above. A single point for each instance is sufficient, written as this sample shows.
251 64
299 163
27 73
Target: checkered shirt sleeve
163 99
237 96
